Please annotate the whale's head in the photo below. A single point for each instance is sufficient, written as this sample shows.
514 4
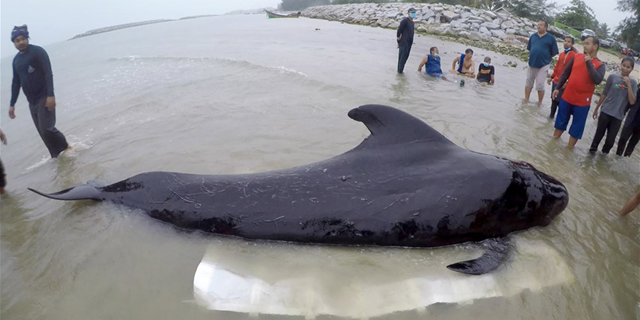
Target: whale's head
538 196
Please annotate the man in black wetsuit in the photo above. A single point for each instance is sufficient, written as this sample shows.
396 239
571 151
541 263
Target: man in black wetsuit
405 39
32 72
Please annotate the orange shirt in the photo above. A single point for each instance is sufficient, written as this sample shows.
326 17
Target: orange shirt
580 86
563 59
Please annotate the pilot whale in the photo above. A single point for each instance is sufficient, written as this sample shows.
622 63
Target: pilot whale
404 185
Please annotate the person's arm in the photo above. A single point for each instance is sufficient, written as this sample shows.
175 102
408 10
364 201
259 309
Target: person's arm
422 63
605 92
493 72
631 90
43 59
403 24
554 47
453 66
563 78
597 75
529 43
633 203
473 67
565 74
478 75
15 91
3 137
15 88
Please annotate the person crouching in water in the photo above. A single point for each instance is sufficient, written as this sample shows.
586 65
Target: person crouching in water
486 72
581 74
618 95
630 130
563 59
432 60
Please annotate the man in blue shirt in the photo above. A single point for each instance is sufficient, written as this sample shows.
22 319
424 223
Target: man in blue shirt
542 47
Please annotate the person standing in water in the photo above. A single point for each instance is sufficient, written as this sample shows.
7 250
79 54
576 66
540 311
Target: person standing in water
582 74
563 59
432 61
542 47
618 94
630 130
404 36
465 64
32 72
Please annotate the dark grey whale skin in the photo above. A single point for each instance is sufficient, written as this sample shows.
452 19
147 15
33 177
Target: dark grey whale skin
404 185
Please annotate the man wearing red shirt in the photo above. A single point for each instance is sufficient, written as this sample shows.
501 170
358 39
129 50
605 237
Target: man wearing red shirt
581 74
563 59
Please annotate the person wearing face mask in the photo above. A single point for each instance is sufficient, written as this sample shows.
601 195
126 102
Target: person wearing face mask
563 59
432 60
581 74
404 36
618 95
486 72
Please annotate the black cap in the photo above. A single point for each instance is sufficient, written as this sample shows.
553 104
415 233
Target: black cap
412 10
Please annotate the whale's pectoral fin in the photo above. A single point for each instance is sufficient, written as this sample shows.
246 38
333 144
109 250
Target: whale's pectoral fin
496 252
82 192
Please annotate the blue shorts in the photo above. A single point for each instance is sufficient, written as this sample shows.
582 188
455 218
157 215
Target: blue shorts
436 75
580 115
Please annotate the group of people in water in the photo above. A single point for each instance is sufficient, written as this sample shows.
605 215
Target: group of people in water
573 81
462 65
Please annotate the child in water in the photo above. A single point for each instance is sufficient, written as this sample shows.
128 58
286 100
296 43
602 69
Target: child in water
486 72
432 60
618 95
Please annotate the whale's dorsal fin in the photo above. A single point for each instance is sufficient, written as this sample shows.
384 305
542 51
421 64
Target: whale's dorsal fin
389 126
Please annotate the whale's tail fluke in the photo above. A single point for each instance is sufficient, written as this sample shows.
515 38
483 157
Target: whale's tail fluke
81 192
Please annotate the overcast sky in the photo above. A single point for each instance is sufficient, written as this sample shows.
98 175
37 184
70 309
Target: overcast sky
53 21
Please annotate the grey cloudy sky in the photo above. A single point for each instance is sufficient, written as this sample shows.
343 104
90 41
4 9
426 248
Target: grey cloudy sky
52 21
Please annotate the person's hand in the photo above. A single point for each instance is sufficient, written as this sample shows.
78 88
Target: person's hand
549 81
50 103
587 58
3 137
400 37
595 114
555 94
12 113
626 81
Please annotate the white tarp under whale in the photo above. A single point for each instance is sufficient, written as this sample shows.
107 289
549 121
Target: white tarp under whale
361 282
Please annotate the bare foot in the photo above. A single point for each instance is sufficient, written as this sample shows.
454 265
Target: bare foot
2 191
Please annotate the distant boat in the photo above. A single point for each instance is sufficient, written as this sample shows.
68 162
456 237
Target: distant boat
273 15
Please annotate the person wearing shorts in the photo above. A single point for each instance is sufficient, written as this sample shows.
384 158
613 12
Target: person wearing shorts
542 47
582 74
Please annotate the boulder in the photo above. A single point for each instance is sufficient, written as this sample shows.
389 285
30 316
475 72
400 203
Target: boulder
491 26
490 14
499 34
449 16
